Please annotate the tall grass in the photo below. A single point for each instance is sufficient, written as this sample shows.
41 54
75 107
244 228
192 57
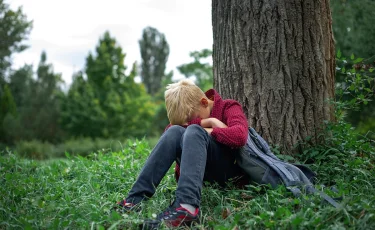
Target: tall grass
79 192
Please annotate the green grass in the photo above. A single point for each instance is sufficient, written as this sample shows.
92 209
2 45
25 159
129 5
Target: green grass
78 193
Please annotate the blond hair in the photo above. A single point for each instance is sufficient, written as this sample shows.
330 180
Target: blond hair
182 99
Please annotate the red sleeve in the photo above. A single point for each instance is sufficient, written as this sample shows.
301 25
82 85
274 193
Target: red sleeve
235 135
177 172
196 121
169 125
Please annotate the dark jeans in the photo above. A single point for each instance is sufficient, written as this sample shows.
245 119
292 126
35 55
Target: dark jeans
200 159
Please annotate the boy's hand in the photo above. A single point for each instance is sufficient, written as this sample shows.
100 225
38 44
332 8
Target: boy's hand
209 130
212 123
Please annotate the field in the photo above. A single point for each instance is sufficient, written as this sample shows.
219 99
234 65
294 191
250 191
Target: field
78 193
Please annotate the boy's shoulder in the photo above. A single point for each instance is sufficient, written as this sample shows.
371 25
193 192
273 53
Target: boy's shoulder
227 106
230 102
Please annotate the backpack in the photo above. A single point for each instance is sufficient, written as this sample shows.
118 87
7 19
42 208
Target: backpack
263 167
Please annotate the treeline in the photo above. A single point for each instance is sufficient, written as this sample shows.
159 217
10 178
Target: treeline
105 103
102 101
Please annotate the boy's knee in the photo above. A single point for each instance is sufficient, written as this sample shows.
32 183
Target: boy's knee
175 130
195 129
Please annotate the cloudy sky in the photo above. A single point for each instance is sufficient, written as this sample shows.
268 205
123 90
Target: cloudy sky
67 30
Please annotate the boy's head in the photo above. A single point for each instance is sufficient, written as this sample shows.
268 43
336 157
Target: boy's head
183 101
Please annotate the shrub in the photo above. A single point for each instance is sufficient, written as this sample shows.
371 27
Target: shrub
83 146
34 149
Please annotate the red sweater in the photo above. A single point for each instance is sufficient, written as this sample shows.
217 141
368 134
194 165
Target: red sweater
230 113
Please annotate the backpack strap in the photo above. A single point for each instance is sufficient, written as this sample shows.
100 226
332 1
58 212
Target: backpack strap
327 198
296 191
260 143
292 176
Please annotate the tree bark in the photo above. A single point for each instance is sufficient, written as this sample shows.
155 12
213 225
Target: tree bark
277 59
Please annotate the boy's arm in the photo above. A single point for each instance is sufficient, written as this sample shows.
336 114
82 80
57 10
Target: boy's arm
212 122
235 135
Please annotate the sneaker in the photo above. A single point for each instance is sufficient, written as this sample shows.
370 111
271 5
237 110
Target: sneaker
176 216
124 207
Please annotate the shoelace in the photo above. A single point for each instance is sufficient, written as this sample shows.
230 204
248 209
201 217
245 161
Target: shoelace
169 215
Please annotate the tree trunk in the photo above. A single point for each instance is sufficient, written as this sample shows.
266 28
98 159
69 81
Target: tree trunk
277 59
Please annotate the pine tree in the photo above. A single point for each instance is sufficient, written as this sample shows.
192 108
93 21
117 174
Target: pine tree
14 28
154 53
7 108
202 71
109 103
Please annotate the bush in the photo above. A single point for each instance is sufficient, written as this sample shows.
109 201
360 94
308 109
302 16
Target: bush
34 149
83 146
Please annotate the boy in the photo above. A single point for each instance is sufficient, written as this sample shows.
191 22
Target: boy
204 134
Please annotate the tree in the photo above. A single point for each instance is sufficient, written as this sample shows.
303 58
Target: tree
107 63
82 114
154 53
21 83
45 105
277 59
160 120
108 103
202 71
14 28
38 104
23 88
7 108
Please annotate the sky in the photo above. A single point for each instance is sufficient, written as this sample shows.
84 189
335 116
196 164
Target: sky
67 30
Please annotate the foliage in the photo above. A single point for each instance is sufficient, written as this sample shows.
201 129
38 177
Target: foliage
202 71
354 34
355 90
108 103
154 53
22 84
79 192
107 64
34 149
37 101
38 150
353 26
14 28
7 109
160 119
82 114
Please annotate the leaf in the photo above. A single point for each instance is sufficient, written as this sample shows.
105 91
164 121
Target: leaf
246 196
352 57
339 54
368 90
226 212
100 227
297 221
8 177
358 60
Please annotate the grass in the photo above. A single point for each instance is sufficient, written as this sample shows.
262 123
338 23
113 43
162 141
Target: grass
78 193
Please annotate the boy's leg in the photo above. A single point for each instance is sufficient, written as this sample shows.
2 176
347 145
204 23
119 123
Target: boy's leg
195 143
221 166
160 160
203 159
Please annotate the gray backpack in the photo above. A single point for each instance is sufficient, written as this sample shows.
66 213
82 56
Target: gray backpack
263 167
